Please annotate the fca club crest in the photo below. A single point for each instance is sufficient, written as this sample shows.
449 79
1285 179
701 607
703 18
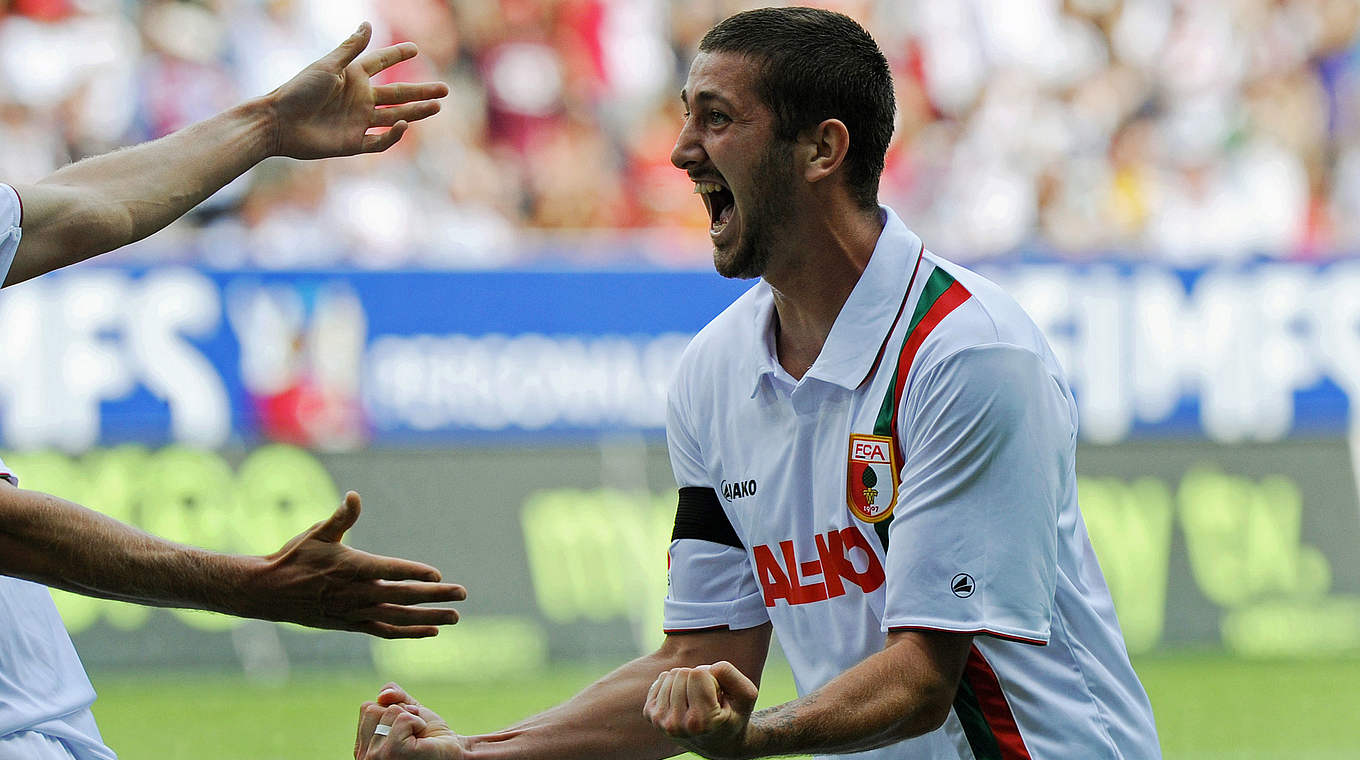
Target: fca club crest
871 483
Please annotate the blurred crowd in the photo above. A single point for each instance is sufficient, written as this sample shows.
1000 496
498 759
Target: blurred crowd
1185 130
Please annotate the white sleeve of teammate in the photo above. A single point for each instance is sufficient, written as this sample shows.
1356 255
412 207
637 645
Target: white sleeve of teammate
11 213
988 438
710 584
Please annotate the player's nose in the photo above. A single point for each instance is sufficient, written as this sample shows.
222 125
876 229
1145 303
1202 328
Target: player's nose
687 151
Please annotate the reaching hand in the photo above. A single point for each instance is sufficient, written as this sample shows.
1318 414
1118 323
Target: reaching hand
315 580
705 709
416 732
328 108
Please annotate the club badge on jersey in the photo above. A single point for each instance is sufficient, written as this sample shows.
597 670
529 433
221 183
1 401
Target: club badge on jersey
872 478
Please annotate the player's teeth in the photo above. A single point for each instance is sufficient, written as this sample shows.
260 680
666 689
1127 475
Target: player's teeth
706 187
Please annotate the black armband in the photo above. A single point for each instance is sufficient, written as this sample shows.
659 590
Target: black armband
700 515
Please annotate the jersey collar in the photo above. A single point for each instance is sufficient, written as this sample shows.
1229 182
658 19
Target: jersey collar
880 297
865 322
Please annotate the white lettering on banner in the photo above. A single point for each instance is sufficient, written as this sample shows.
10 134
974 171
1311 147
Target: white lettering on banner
77 340
1336 306
168 305
1242 341
531 381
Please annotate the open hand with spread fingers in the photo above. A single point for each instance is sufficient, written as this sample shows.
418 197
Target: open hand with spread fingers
315 580
330 106
706 710
397 727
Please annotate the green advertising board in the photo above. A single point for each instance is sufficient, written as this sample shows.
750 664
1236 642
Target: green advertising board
1253 549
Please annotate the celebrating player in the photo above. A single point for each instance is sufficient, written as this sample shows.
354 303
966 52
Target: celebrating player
100 204
875 454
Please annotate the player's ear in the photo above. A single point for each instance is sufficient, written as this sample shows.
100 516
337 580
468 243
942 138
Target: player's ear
821 149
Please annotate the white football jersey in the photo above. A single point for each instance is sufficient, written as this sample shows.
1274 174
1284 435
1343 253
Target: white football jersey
43 687
920 476
11 213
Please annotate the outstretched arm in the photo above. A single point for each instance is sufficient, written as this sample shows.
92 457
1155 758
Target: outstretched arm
314 580
603 722
108 201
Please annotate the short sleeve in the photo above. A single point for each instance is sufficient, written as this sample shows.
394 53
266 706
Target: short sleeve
710 584
11 214
988 439
6 474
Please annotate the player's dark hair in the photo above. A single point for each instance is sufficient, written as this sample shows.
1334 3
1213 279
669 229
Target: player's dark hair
818 65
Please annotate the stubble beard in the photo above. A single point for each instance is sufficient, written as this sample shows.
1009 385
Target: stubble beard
771 208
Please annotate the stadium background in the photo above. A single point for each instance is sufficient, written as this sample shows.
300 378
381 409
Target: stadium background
476 329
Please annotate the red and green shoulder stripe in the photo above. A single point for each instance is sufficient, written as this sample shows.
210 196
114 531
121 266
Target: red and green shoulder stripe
940 296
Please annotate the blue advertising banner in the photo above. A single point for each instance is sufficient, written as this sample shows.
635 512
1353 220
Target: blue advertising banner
339 360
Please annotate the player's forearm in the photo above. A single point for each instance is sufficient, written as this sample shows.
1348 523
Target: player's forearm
883 700
126 195
64 545
604 721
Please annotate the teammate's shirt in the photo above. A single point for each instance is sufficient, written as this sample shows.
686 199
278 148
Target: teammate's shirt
921 476
43 686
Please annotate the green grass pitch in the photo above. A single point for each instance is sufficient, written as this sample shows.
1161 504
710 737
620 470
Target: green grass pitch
1209 707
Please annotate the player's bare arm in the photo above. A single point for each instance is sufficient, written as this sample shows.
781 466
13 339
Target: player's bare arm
603 722
328 109
903 691
314 580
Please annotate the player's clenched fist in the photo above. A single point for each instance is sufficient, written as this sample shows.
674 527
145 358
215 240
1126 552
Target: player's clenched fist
397 727
705 709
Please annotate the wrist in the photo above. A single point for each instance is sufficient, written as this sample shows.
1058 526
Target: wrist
755 739
241 578
261 115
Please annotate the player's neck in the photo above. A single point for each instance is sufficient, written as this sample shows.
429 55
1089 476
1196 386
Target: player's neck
812 279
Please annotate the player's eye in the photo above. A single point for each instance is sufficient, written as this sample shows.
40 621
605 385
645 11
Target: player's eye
717 117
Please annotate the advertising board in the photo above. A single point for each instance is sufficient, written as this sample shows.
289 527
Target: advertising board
1254 549
346 360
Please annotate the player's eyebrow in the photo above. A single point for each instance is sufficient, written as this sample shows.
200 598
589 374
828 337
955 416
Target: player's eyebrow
705 95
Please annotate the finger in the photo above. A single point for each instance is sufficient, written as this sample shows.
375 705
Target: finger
369 714
405 727
380 142
373 592
741 691
376 567
398 615
701 690
392 694
333 529
679 689
376 60
406 92
386 117
654 690
658 700
389 631
339 58
663 692
388 719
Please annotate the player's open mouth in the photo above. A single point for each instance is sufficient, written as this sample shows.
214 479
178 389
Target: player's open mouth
720 204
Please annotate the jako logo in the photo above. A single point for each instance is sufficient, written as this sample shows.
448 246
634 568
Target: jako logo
818 579
963 585
738 490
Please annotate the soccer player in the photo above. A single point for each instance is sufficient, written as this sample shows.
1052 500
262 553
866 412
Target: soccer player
100 204
875 454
